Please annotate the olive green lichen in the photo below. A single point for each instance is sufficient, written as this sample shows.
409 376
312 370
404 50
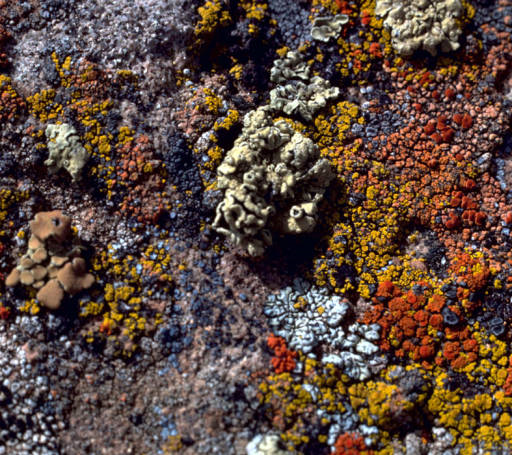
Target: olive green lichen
296 92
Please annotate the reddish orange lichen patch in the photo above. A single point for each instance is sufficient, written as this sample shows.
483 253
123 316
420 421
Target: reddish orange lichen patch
350 444
284 359
141 180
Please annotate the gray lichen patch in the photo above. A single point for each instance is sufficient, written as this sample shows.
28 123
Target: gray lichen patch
311 320
66 150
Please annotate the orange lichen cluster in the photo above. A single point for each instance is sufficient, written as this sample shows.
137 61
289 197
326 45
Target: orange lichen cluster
283 359
141 180
11 104
436 153
471 274
507 386
413 326
343 6
350 444
4 312
408 321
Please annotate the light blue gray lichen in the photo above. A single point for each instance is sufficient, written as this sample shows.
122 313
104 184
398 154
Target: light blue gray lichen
325 28
311 320
65 150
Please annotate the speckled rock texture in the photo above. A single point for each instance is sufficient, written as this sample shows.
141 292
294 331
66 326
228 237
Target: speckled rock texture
247 227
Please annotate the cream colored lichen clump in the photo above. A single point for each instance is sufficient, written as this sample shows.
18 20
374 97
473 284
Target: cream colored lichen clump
421 24
268 444
297 93
65 149
303 100
273 180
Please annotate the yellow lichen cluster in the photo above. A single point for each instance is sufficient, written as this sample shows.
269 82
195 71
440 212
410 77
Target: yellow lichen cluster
8 198
10 102
481 418
256 11
121 303
227 122
212 101
329 5
30 306
173 445
156 261
367 238
216 153
289 399
383 403
212 15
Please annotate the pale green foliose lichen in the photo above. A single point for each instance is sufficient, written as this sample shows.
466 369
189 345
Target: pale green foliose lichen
296 92
327 27
65 150
301 99
291 66
273 180
421 24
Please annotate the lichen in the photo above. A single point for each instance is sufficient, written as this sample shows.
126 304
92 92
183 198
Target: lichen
52 264
273 180
65 150
326 27
421 24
